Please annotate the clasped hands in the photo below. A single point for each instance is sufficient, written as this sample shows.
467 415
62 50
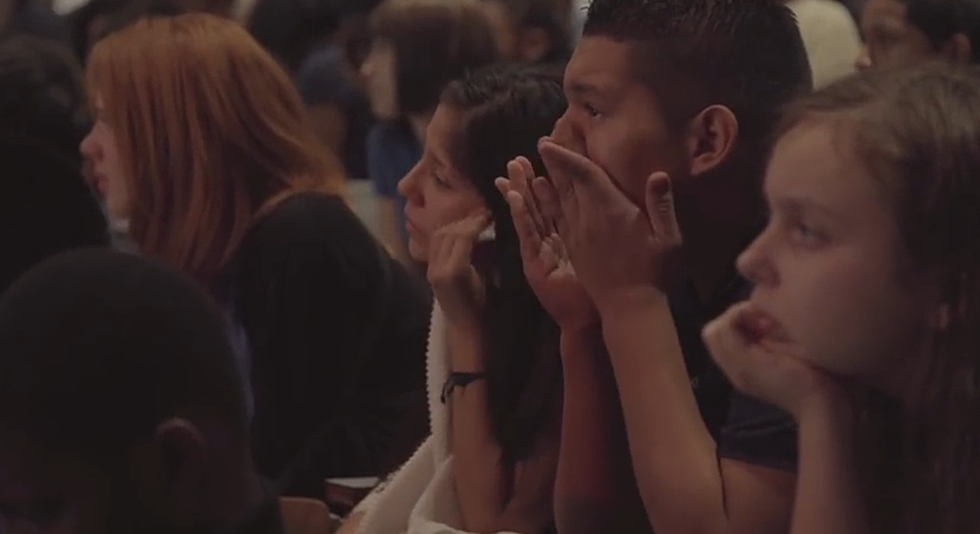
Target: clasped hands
589 251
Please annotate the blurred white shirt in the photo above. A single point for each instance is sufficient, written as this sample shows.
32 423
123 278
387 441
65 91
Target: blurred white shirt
831 38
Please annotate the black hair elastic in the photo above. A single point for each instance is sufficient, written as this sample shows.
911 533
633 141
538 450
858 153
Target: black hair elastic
458 380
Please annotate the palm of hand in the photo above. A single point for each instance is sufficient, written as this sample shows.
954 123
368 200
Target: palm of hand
762 361
554 281
779 378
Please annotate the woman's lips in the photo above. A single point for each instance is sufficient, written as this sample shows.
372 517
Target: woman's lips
761 325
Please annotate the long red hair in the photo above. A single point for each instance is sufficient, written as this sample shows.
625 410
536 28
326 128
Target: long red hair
212 133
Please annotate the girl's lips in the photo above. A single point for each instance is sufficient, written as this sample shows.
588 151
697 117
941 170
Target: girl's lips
759 324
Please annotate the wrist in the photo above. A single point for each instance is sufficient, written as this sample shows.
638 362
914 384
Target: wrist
583 345
627 301
827 401
580 324
581 332
463 324
466 346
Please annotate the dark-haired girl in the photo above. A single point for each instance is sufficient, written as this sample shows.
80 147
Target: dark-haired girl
493 363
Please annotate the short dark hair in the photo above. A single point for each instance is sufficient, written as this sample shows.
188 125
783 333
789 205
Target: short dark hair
745 54
940 20
41 92
46 206
504 110
97 348
435 42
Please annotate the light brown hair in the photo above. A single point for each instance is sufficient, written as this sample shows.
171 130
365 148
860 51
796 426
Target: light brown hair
916 131
211 131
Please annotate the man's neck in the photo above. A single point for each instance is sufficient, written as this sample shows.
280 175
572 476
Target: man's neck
711 249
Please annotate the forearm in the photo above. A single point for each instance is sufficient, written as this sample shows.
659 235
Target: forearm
595 488
531 507
674 456
480 482
828 491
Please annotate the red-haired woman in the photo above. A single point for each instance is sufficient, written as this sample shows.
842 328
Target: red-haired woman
201 143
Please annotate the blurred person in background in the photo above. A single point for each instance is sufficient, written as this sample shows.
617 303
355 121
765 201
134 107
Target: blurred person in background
46 206
533 31
830 36
34 17
202 143
333 91
291 29
43 94
98 18
903 32
120 407
417 48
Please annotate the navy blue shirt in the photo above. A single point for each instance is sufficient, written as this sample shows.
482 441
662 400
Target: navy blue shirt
322 80
744 428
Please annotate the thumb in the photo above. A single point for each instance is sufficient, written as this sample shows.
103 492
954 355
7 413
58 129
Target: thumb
660 208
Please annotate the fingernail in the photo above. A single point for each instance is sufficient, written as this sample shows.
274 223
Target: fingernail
661 184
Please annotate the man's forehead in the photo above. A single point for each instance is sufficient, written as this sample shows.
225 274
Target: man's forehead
598 63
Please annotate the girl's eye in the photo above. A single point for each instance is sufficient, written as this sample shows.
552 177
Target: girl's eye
440 181
807 236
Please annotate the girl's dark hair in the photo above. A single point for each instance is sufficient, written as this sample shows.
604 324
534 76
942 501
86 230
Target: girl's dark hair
435 43
916 131
505 110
